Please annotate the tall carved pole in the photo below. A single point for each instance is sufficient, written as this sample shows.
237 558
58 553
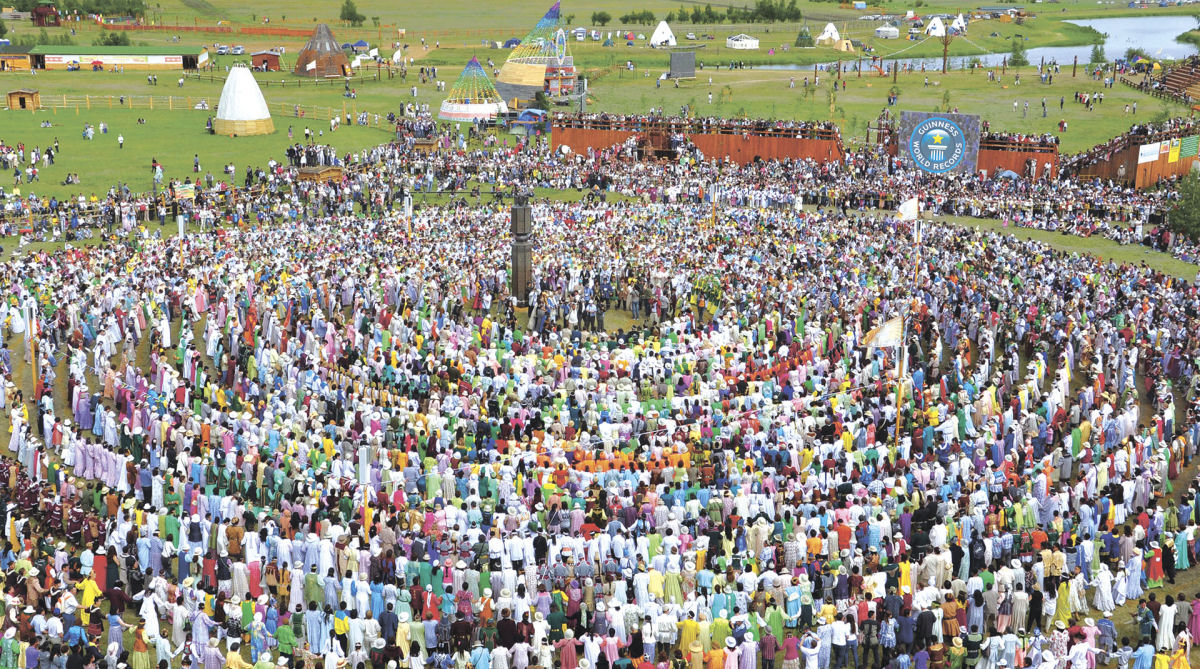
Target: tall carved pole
522 243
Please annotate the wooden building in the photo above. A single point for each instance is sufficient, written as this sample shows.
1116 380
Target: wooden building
265 61
14 58
46 15
24 98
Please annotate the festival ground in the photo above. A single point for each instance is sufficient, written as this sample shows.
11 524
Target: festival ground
1188 582
174 132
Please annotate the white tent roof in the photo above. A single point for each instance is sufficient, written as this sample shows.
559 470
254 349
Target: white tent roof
959 24
936 28
887 32
829 34
741 41
241 99
662 35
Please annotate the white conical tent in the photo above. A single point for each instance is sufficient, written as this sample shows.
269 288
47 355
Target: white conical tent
242 110
959 25
662 35
936 28
830 35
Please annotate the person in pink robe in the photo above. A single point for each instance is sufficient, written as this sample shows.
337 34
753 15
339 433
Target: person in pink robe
1194 618
568 658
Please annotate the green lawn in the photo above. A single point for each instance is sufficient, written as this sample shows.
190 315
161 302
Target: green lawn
174 136
170 137
1098 246
765 93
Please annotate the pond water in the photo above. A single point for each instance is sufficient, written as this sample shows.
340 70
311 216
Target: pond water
1153 34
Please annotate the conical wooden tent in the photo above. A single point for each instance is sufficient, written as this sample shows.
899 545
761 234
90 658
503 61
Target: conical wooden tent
473 97
322 56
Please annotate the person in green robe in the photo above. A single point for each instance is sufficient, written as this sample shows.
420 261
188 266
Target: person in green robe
314 590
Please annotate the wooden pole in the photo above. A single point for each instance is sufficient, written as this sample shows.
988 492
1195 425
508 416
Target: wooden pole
1074 67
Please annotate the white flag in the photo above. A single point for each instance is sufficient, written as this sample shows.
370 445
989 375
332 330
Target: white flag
886 335
909 210
374 53
312 65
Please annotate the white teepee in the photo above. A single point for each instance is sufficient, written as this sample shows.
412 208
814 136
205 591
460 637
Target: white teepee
662 35
959 25
830 35
242 110
935 28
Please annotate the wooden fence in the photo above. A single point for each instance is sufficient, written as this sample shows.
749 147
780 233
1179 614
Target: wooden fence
296 82
1159 93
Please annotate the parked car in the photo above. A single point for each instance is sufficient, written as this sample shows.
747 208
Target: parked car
239 50
223 50
690 36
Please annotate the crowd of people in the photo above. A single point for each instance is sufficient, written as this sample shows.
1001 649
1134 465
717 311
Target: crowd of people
697 124
724 432
1138 134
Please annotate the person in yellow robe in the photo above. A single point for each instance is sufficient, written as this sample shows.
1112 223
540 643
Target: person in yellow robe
90 592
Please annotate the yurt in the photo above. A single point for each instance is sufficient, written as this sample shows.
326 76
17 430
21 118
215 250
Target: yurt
887 32
473 97
662 35
525 72
322 56
242 109
829 36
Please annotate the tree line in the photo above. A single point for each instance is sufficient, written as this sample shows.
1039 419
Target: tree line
135 8
762 11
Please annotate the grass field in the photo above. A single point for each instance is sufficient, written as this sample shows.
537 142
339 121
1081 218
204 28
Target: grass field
173 138
514 18
1041 31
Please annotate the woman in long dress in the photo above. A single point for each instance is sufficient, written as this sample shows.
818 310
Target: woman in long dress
1120 587
1133 578
1166 625
1103 583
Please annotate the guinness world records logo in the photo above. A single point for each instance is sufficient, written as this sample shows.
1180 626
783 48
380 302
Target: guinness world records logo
937 145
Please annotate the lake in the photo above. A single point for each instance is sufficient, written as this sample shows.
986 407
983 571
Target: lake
1153 34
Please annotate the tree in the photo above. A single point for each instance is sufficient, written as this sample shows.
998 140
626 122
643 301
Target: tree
1097 54
1184 217
1018 57
350 14
946 39
3 29
111 39
540 101
601 18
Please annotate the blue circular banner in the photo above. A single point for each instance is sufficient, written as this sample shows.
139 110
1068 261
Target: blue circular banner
937 145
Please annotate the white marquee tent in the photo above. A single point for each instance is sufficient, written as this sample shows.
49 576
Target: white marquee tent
741 41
